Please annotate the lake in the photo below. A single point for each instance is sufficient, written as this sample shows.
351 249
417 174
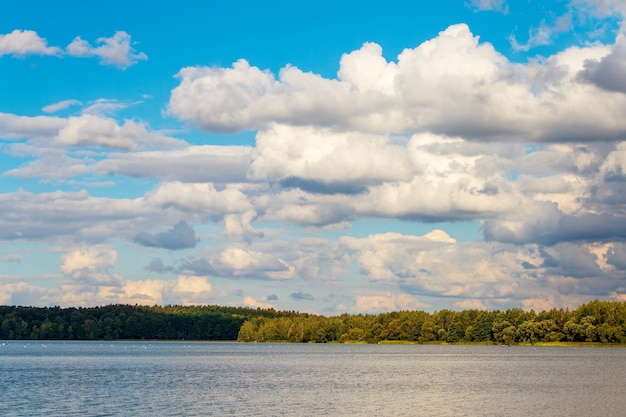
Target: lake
238 379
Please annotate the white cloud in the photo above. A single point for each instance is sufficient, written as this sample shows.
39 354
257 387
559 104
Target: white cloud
608 72
104 107
543 34
242 261
11 258
201 198
90 130
205 163
87 130
13 127
332 177
192 290
495 5
50 164
249 301
23 293
240 225
307 153
473 304
386 302
91 265
21 43
451 84
61 105
185 290
59 215
116 50
601 8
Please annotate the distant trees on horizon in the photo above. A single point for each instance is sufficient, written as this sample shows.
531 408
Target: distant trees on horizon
596 321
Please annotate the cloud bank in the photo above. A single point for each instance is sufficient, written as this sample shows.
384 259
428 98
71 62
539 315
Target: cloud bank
351 194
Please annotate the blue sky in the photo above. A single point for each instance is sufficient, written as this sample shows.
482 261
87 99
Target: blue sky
328 158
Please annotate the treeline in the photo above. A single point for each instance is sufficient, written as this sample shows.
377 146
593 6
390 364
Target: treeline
597 321
115 322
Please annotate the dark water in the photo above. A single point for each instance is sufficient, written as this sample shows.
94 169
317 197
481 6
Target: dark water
231 379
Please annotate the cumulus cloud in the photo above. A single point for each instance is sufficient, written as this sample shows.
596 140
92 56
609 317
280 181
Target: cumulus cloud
86 130
23 293
21 43
608 72
426 177
449 131
240 225
249 301
616 256
451 84
116 50
471 273
49 164
192 289
74 216
324 161
90 130
14 127
202 198
181 236
185 290
91 265
551 226
240 262
191 164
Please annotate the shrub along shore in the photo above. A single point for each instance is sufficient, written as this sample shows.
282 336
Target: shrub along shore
593 323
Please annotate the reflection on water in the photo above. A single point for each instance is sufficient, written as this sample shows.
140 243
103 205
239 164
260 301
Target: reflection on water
231 379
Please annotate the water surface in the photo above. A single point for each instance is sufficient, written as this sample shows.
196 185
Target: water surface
237 379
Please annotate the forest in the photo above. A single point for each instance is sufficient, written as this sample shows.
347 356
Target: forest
593 322
125 322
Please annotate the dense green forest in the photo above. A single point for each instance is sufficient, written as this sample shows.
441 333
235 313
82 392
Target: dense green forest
597 321
126 322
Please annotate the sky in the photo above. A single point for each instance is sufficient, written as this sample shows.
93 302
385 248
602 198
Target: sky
323 157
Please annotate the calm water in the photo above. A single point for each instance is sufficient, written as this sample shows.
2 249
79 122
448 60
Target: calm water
236 379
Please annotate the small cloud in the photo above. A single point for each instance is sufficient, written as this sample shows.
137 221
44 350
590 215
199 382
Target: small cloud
21 43
157 265
103 107
318 187
544 34
91 265
489 5
11 259
471 304
301 296
254 303
181 236
116 50
61 105
272 297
